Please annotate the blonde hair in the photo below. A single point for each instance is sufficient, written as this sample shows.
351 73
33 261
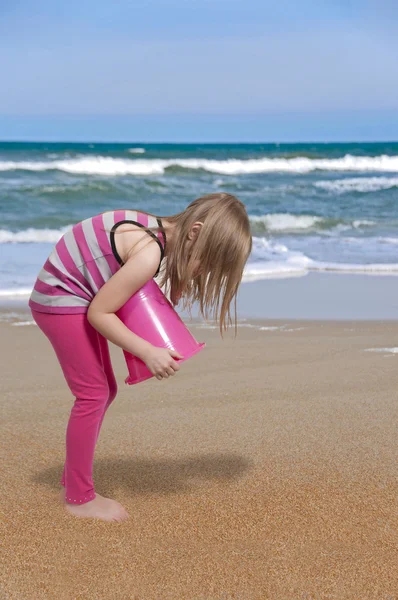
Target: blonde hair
222 248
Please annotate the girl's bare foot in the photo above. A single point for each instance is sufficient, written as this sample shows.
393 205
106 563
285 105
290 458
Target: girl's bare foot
100 507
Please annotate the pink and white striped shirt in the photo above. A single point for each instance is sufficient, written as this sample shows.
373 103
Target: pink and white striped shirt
83 260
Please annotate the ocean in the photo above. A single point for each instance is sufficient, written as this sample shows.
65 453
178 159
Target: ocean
312 207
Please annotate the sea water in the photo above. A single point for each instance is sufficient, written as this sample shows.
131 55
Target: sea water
312 207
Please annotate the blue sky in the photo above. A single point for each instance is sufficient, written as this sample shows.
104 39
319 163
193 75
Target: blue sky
209 70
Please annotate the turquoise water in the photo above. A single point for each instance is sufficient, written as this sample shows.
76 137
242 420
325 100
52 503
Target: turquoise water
313 207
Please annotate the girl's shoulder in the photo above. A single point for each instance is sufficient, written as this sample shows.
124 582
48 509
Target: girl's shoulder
120 216
130 226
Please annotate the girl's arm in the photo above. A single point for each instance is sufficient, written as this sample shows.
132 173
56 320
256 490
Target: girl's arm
138 268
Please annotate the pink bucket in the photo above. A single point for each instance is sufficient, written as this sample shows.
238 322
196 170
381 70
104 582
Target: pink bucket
150 315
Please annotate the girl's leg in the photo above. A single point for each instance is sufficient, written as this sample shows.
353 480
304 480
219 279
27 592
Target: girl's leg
78 348
112 385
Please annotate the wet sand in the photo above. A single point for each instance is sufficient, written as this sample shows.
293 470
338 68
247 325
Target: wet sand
266 469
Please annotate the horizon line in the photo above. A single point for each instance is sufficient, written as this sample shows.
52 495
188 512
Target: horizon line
88 141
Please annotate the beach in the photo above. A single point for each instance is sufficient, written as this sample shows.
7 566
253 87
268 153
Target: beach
266 469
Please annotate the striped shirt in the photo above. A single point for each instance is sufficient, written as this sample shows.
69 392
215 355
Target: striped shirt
83 260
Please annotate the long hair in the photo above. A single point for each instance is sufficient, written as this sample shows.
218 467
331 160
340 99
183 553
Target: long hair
222 248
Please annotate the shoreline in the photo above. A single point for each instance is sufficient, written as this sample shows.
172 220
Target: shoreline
314 296
23 317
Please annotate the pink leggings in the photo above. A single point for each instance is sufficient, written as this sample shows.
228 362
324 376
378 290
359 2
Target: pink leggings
83 354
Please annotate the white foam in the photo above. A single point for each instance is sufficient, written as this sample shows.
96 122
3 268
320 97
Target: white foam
208 326
15 292
7 316
275 260
269 259
136 150
358 184
102 165
274 222
286 221
392 350
256 271
282 328
388 240
32 235
95 165
362 223
373 269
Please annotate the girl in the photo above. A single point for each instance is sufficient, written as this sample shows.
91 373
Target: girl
92 271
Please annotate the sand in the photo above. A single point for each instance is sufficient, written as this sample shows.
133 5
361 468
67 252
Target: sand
266 469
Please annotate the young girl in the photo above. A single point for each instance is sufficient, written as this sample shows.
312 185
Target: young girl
92 271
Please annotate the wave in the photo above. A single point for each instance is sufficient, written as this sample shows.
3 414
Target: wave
100 165
269 260
32 235
272 259
388 240
136 150
96 165
276 270
393 350
271 223
84 187
15 292
358 184
286 223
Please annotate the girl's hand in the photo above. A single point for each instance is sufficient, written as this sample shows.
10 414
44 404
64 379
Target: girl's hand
160 362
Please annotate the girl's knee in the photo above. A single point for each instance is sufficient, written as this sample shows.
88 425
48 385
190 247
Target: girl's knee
101 394
92 398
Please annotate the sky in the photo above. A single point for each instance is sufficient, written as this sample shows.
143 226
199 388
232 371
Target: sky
199 71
